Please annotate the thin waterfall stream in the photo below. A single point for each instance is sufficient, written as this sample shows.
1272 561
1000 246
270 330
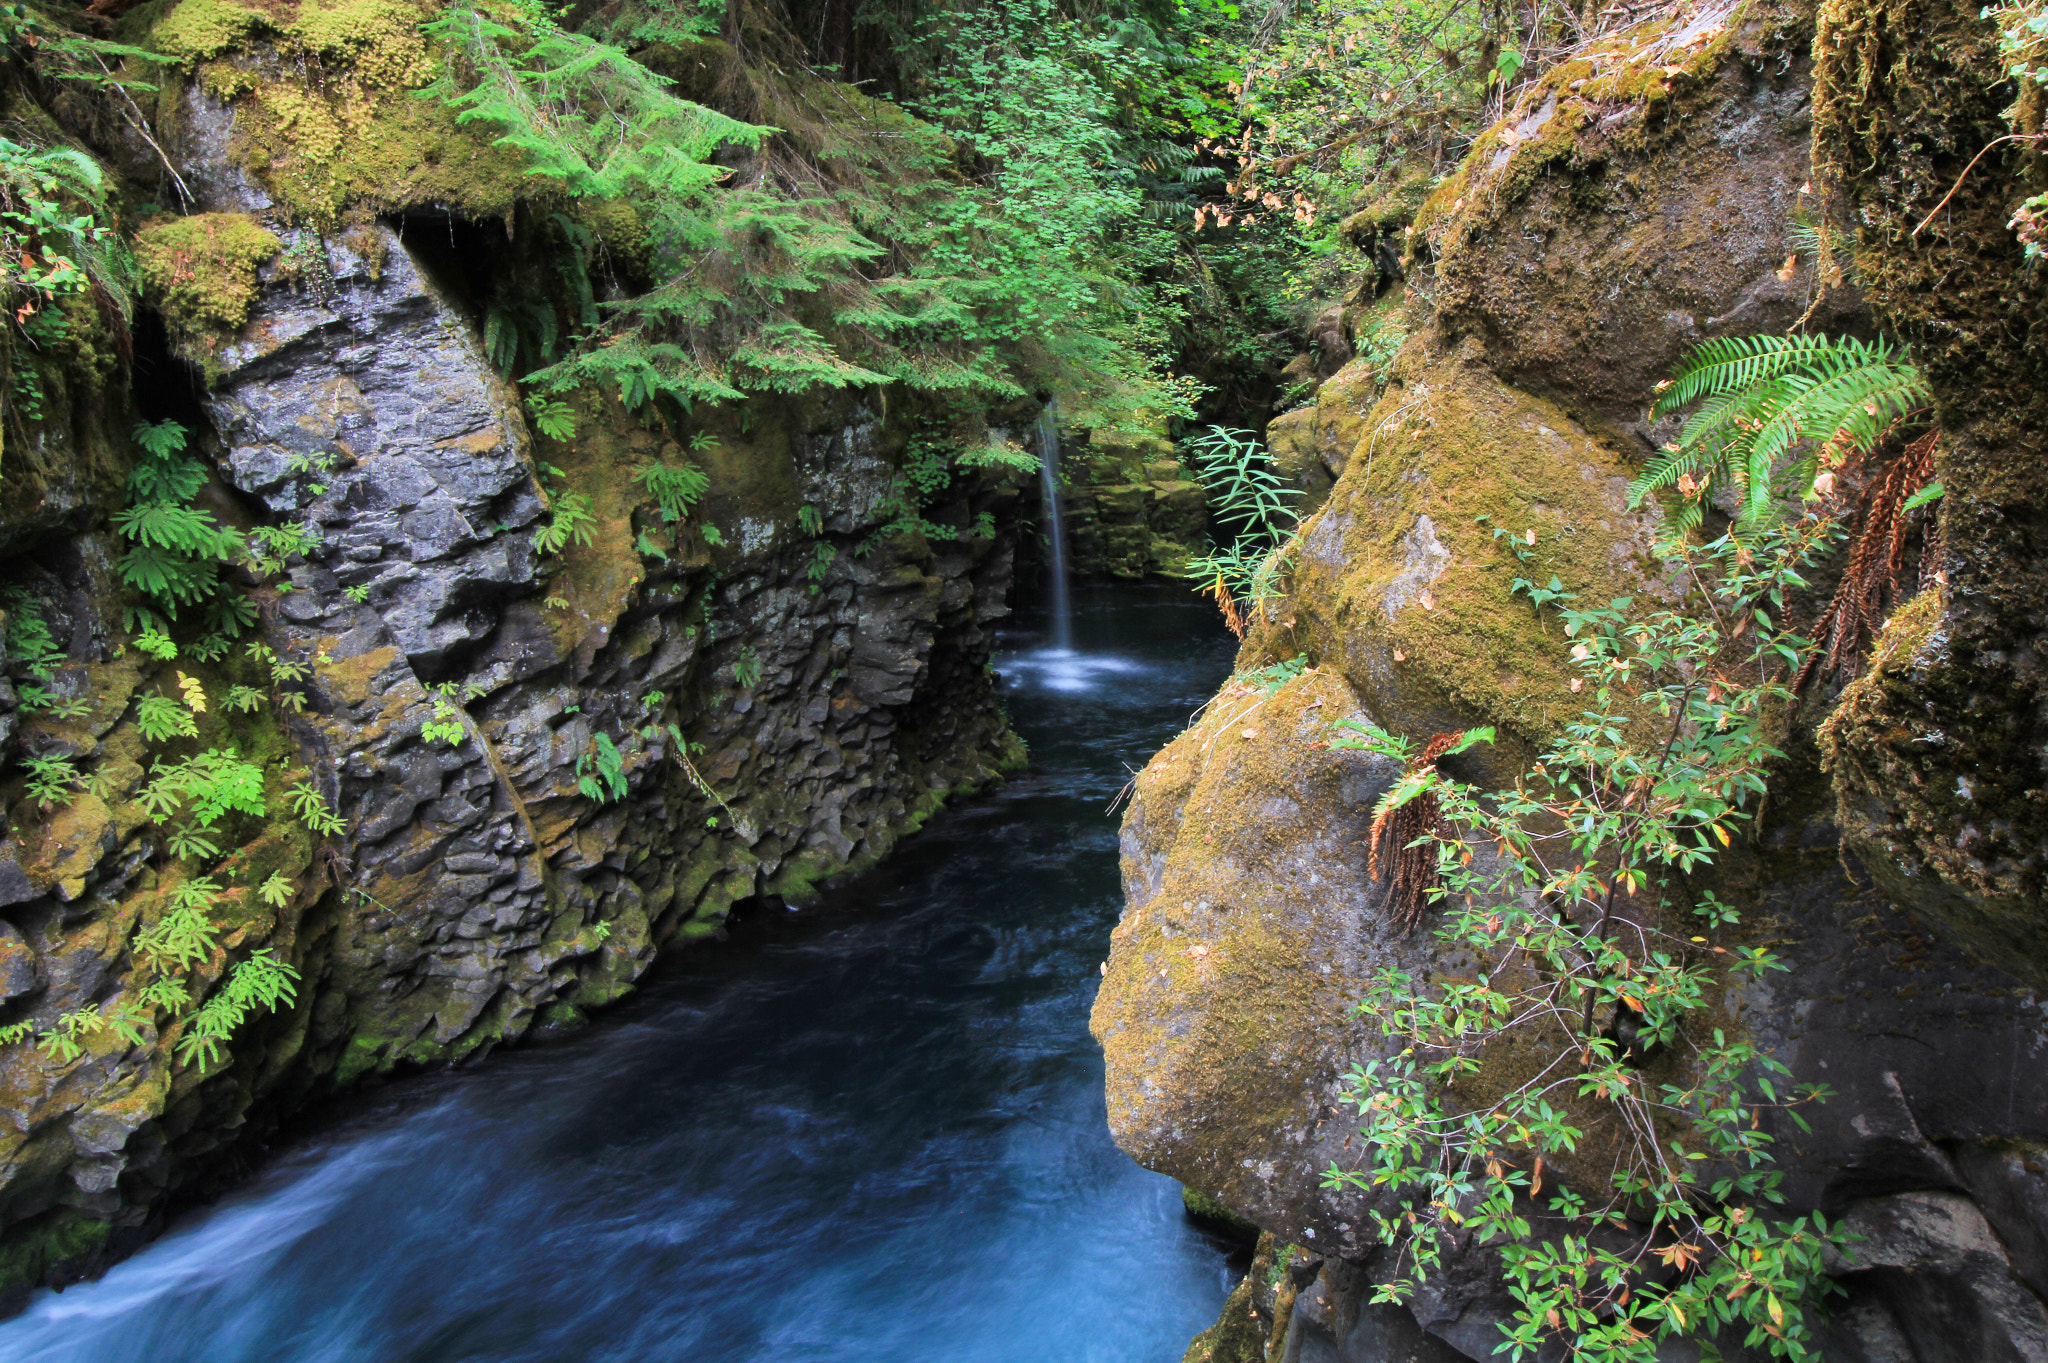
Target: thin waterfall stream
871 1130
1060 602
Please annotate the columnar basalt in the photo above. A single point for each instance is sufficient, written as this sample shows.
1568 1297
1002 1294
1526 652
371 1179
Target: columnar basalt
791 682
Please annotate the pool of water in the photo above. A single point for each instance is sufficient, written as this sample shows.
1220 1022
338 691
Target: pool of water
868 1130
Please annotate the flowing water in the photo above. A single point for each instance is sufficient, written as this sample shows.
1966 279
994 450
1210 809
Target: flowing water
1059 601
866 1132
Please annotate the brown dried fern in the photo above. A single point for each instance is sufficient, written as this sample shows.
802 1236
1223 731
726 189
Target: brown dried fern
1393 842
1854 616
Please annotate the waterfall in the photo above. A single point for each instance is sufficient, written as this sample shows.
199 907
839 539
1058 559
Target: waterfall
1056 533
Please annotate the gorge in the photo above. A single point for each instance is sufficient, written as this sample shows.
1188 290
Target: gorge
581 580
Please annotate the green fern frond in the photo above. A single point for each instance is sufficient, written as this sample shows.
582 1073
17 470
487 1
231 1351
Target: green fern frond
1769 406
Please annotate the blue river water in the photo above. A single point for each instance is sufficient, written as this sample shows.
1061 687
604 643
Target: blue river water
870 1130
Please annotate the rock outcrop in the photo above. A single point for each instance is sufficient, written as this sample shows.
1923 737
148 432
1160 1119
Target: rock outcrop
1632 204
785 683
1132 509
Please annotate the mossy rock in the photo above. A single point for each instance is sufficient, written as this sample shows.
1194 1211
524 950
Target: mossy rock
1239 1334
1208 1212
1939 755
357 141
200 272
57 1239
1221 1010
1312 444
1633 202
1401 582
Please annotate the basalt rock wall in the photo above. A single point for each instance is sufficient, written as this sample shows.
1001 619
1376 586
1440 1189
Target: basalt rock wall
788 679
1635 202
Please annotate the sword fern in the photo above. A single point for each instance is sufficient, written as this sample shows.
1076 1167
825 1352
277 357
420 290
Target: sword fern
1772 411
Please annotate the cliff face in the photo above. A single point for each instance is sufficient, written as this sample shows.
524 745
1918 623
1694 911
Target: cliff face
790 681
1633 204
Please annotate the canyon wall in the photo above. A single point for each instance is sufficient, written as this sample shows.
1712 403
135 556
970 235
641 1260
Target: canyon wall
1634 203
789 679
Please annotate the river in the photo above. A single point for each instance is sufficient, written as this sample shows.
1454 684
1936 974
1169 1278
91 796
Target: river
870 1130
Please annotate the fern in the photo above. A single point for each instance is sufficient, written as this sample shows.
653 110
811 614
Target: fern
675 490
570 523
1772 410
30 643
175 551
601 772
311 807
162 719
53 780
262 981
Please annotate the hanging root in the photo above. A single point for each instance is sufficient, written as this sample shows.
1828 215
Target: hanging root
1394 849
1857 610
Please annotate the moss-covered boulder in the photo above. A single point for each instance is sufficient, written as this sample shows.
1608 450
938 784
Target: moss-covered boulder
1245 936
1633 203
199 272
1459 488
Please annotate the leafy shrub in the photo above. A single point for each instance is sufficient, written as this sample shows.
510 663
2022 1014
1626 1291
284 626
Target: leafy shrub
311 808
1563 888
30 645
215 783
446 726
272 546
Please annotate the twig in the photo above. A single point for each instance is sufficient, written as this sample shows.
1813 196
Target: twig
2009 137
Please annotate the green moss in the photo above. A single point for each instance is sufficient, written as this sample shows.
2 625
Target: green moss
1207 1010
1402 585
34 1247
1239 1334
1215 1215
200 30
201 272
356 140
1631 93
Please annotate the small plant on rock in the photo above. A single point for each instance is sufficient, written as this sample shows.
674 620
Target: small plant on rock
601 771
1249 503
